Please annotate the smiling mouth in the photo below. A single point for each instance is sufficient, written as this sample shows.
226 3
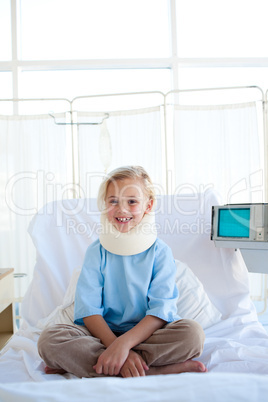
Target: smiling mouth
123 220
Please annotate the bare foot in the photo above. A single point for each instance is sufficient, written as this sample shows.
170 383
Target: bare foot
190 366
49 370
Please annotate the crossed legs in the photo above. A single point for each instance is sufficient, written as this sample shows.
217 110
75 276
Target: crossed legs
71 348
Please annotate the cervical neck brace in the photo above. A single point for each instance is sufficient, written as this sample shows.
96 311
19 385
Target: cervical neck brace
137 240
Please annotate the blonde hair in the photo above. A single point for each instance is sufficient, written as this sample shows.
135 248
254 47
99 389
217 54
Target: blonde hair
122 173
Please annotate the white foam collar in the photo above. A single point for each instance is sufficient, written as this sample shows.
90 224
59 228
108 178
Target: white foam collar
137 240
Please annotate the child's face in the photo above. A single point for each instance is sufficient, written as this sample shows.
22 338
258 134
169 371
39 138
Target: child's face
126 203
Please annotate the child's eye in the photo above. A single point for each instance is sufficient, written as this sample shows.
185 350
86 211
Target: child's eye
113 202
132 202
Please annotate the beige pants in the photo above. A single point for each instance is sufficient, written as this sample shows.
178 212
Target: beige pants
72 348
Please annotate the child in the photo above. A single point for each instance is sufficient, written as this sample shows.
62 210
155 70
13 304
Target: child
125 315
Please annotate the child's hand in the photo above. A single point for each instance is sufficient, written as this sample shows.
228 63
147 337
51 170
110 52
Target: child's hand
134 366
112 359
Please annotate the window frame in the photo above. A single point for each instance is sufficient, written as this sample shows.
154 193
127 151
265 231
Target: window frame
174 62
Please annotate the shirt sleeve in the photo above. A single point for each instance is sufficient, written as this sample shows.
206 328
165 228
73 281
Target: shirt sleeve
88 295
163 293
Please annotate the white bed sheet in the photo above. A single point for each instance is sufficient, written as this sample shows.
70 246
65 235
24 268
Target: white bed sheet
184 387
230 347
236 347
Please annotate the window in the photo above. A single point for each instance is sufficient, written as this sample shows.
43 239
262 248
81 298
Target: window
90 29
211 77
67 49
217 28
71 83
5 30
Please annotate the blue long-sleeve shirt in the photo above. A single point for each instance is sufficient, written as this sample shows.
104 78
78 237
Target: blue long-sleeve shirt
124 289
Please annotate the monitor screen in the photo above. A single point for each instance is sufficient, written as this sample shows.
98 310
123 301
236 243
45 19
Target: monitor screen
234 222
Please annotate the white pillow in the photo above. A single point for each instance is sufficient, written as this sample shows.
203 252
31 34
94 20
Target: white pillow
193 302
64 313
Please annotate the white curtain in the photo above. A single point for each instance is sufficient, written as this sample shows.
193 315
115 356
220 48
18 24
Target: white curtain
33 170
135 138
219 147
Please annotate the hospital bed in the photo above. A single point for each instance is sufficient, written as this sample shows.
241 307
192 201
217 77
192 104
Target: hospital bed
214 288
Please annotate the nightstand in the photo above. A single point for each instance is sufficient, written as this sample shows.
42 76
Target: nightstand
7 318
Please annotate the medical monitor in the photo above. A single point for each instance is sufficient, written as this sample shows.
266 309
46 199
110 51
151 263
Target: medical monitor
243 222
243 227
